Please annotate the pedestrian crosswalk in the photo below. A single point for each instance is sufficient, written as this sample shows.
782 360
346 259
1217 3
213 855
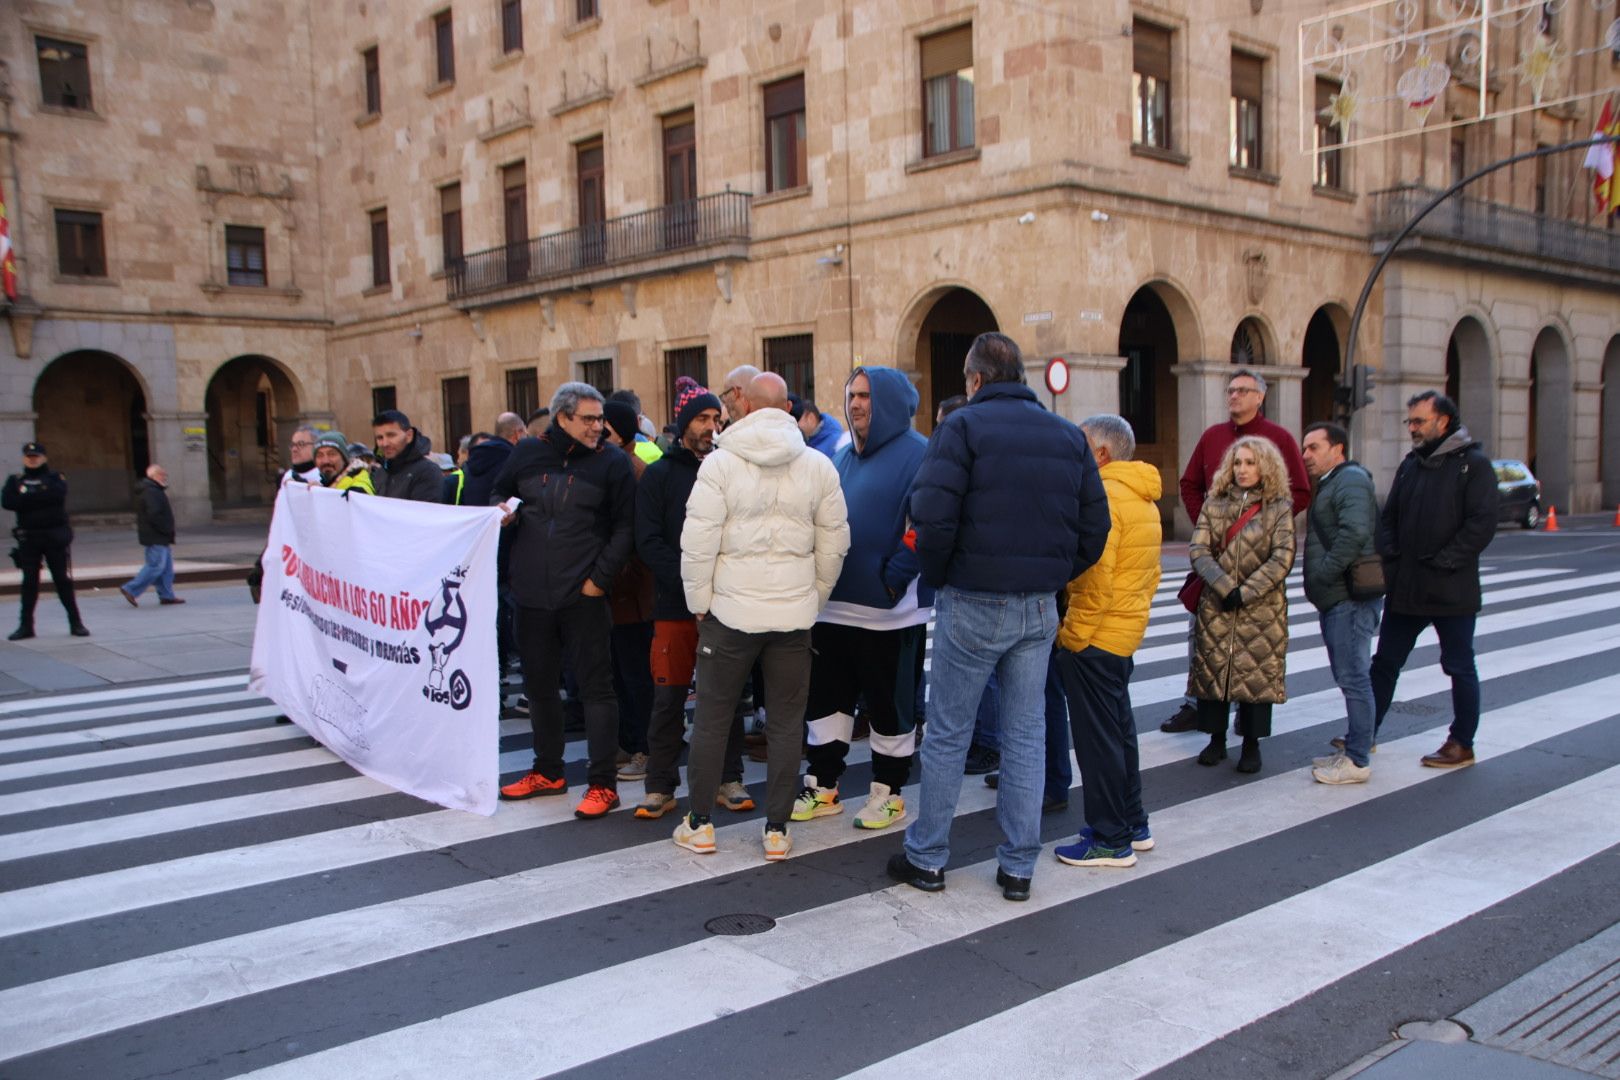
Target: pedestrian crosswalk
188 889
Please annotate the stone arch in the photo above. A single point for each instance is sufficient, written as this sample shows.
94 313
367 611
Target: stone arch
1149 394
1471 367
941 322
1254 344
1552 417
1609 425
91 412
1322 356
253 404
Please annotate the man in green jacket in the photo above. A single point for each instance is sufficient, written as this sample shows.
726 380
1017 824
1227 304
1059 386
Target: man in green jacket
1341 521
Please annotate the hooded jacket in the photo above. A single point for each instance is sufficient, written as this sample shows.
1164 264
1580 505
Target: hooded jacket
1439 517
831 432
1345 510
483 465
154 518
1008 499
660 515
575 521
1108 604
875 588
766 529
412 475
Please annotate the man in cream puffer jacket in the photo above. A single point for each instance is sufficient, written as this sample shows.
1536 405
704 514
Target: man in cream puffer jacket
764 541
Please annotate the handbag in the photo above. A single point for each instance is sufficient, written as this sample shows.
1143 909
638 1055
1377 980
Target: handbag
1192 590
1364 577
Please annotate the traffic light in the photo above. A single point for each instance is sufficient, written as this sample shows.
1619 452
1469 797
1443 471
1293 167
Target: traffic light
1361 387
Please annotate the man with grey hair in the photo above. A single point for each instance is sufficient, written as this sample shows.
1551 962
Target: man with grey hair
301 455
734 403
565 553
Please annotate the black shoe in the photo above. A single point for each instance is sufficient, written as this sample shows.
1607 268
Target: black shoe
992 780
980 760
1051 804
1012 888
901 870
1214 752
283 719
1186 719
22 633
1249 760
79 630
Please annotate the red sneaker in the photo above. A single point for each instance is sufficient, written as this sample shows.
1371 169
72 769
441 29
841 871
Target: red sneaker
533 784
597 802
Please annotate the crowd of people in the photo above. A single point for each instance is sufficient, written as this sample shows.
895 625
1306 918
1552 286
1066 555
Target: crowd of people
757 550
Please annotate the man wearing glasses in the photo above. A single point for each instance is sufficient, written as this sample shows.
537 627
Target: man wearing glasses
734 402
571 535
1245 397
302 456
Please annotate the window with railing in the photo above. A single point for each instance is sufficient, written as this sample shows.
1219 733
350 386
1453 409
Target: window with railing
450 226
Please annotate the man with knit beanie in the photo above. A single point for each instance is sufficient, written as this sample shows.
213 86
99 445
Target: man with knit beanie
337 470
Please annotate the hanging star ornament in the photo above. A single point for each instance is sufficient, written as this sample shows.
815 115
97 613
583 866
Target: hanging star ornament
1341 109
1539 64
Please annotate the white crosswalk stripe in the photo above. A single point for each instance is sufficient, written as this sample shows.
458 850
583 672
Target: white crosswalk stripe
131 808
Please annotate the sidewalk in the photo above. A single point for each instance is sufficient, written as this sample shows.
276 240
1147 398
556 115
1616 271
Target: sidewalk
108 555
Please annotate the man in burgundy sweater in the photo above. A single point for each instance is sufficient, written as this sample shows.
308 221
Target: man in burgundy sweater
1245 394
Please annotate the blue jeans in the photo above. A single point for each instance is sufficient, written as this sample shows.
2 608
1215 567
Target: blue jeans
158 570
986 727
1395 642
1059 776
1347 631
975 634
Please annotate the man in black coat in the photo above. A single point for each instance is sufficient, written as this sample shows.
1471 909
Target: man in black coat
154 528
485 460
573 534
1440 514
38 496
407 472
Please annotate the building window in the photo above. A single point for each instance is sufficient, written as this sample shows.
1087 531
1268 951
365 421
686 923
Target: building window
680 179
450 225
379 249
793 358
383 399
1329 163
64 73
511 26
523 391
444 48
947 83
456 394
599 373
1244 112
693 362
1248 345
591 168
373 81
515 224
585 10
1150 85
244 256
784 135
81 250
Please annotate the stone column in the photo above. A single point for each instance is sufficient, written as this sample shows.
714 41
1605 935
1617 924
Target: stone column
179 442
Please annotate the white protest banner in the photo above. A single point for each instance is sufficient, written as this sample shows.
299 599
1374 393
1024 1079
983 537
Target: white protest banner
376 634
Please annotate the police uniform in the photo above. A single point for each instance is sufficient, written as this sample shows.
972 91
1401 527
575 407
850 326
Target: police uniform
38 496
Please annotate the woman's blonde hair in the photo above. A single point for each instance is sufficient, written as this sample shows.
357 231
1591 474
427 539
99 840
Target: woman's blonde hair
1273 474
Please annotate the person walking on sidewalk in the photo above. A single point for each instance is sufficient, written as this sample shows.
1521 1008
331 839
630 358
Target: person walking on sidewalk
38 496
765 537
573 536
1339 530
154 528
868 644
1245 400
1439 517
1008 509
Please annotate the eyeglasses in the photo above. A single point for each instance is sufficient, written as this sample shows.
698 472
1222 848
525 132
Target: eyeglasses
728 391
303 442
593 418
1239 391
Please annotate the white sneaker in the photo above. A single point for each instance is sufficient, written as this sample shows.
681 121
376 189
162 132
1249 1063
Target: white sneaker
635 768
1326 762
1342 771
700 839
777 845
883 808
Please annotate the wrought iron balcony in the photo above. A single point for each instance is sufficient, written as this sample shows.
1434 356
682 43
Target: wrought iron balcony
1476 230
702 230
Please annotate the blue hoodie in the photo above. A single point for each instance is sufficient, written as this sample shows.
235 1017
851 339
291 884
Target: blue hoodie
827 436
879 569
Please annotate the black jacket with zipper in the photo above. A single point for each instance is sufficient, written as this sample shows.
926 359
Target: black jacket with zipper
576 519
660 513
1439 517
154 518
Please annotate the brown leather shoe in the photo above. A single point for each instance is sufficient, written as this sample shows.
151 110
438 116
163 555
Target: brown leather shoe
171 600
1186 719
1452 755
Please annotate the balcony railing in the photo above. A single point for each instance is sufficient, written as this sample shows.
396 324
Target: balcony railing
1505 229
721 219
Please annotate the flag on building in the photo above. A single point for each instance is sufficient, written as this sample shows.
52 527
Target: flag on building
1600 159
8 261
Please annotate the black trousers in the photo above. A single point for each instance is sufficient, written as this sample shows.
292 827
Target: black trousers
879 667
581 633
633 683
1097 685
1252 719
52 550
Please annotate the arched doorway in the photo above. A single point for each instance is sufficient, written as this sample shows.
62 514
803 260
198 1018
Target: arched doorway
950 326
90 412
1470 382
1551 420
1147 387
1321 357
252 408
1609 426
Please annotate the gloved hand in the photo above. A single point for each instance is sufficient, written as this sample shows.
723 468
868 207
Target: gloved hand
1232 600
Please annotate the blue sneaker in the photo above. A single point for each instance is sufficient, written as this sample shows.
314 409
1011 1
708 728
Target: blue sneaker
1141 839
1087 852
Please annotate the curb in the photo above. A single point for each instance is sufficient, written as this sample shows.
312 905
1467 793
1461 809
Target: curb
98 580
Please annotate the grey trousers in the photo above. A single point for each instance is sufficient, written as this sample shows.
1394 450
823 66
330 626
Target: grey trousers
725 659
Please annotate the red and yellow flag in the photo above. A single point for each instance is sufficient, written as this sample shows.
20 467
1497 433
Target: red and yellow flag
1600 159
8 261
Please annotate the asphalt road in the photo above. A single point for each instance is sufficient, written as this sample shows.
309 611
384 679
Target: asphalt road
188 890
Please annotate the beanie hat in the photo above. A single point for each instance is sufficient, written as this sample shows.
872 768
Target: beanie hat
691 399
621 417
336 441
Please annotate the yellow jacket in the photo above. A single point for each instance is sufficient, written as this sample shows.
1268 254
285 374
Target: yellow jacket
1108 604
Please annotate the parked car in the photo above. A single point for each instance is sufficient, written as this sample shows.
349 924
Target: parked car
1520 493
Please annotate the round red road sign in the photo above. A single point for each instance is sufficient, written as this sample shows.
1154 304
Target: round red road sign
1057 375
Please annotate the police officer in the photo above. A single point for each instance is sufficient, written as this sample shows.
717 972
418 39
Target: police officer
38 496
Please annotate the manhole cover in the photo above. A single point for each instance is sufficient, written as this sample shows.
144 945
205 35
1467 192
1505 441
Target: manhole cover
739 925
1441 1031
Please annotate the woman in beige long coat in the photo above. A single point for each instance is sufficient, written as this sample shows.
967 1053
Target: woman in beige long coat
1241 642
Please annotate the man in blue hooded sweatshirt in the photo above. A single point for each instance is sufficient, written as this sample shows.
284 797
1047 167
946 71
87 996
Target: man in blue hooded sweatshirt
868 641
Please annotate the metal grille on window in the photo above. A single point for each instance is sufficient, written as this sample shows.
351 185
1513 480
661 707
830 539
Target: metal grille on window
793 358
244 255
1248 347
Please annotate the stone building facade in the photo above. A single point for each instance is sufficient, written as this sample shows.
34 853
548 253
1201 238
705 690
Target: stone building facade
456 207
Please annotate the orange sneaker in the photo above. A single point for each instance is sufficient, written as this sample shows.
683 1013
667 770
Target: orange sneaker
597 802
533 784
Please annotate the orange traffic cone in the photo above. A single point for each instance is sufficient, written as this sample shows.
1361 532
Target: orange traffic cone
1617 517
1552 519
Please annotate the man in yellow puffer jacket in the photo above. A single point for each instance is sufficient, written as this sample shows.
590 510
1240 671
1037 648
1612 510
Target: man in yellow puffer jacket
1107 617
